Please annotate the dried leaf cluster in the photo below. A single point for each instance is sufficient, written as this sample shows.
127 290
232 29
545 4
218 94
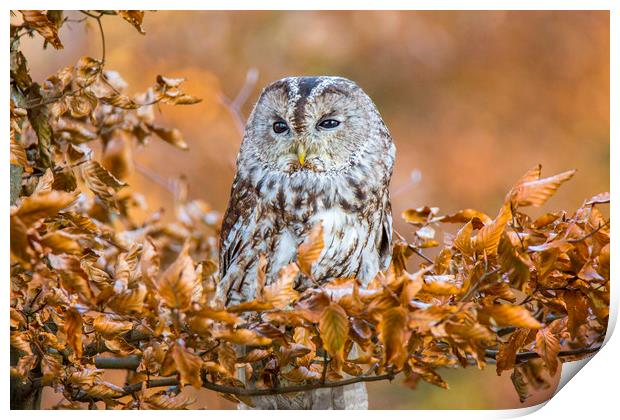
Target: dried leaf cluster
93 288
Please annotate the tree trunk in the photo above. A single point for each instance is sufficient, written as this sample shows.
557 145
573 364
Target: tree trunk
348 397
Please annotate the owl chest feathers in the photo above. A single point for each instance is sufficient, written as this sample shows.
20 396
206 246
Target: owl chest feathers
355 216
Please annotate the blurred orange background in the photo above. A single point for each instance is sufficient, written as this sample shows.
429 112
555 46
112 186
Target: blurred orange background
472 99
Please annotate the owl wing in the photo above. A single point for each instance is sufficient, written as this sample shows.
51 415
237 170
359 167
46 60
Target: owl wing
238 213
385 244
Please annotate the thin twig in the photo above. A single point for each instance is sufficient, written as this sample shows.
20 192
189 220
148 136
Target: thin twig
583 238
234 106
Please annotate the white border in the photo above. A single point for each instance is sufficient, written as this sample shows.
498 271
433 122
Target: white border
593 394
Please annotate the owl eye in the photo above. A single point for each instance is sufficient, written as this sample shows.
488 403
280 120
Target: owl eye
329 124
280 127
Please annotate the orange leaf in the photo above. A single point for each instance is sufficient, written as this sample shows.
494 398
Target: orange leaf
487 239
310 250
548 346
177 283
73 330
394 334
334 329
281 292
531 190
511 315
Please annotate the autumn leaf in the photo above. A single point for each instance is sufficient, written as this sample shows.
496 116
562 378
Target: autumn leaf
463 241
108 327
487 239
312 306
281 293
73 331
18 154
531 190
310 250
477 218
507 353
577 309
51 368
300 374
39 206
129 301
170 135
105 390
511 315
243 336
73 276
420 215
334 329
101 182
163 401
40 22
601 198
134 17
394 335
548 346
186 363
177 283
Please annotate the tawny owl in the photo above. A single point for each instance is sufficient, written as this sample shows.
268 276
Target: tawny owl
315 150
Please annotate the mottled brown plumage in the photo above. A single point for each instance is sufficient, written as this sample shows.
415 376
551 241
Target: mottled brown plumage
313 172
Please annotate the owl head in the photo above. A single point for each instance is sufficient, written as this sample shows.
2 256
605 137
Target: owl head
316 124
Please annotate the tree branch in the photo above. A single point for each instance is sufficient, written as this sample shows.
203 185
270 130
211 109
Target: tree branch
132 362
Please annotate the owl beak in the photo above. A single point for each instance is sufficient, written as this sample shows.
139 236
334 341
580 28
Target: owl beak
301 155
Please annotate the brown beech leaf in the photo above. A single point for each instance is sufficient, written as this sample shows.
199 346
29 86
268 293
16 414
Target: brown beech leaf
48 204
186 363
134 17
419 216
300 374
281 293
105 390
477 218
601 198
45 182
73 331
51 368
311 307
511 315
21 341
109 328
548 346
487 239
243 336
170 135
60 242
177 283
310 250
18 154
531 190
394 334
334 329
73 277
130 301
40 22
100 181
507 353
149 263
463 241
577 309
163 401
